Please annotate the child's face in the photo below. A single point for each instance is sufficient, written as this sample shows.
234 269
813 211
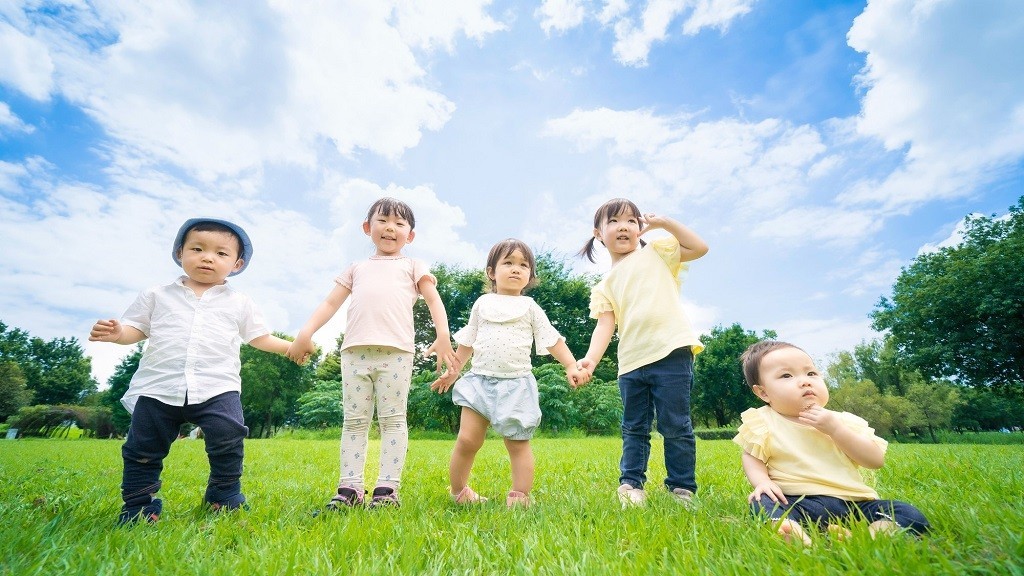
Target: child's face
620 234
208 257
511 274
389 234
789 382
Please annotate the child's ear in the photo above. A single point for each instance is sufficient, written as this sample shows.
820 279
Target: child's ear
412 234
366 227
238 265
760 392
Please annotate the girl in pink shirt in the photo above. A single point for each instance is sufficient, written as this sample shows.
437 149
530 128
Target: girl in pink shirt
377 353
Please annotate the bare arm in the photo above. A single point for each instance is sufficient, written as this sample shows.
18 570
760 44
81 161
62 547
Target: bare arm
300 350
115 332
271 343
859 447
691 246
442 345
757 474
599 341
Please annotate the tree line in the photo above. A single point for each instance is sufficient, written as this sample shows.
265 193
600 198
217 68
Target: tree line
952 357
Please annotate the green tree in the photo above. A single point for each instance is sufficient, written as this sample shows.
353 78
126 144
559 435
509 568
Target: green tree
862 398
320 407
988 409
56 371
65 373
459 288
719 390
13 393
271 387
117 385
958 312
429 410
933 404
557 401
565 298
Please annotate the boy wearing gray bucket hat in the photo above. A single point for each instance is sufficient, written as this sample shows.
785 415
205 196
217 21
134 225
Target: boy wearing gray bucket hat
190 370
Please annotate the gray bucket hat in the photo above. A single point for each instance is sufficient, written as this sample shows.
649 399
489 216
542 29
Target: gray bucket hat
179 240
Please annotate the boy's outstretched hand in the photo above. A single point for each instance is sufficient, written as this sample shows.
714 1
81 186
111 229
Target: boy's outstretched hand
105 331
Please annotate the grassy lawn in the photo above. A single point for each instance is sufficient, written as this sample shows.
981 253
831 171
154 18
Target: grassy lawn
59 501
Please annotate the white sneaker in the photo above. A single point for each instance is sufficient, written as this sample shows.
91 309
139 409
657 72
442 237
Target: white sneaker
631 497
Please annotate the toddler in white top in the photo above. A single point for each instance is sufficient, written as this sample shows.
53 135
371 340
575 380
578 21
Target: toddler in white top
500 389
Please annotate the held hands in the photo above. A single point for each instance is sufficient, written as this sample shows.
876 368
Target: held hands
576 376
106 331
300 350
584 372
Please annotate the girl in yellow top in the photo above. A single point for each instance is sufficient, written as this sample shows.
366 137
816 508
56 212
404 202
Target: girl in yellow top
640 297
802 459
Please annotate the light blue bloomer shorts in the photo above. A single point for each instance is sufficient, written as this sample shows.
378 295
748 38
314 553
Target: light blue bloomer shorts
511 405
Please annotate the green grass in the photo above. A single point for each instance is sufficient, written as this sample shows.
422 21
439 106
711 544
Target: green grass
59 500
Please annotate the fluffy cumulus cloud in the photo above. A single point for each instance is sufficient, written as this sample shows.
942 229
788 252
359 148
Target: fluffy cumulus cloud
217 91
640 25
754 168
944 84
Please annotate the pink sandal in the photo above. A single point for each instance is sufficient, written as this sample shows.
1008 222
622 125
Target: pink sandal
516 498
467 496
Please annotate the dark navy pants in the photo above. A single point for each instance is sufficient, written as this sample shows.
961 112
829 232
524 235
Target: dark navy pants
662 389
155 426
821 511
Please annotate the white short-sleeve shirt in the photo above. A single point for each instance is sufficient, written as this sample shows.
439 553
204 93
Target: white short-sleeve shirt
193 347
502 330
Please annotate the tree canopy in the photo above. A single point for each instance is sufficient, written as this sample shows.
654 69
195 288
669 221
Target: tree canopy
719 392
959 312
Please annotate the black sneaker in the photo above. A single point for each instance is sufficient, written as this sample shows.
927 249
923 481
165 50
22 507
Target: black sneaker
346 497
384 497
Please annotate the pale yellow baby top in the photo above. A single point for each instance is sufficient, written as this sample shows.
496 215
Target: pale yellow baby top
802 460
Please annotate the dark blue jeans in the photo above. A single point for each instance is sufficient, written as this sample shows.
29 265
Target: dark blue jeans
820 511
155 426
660 388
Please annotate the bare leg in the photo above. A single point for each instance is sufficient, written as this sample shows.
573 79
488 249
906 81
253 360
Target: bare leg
884 527
521 456
793 533
472 429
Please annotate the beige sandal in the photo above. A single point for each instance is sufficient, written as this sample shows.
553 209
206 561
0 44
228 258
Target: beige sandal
516 498
467 496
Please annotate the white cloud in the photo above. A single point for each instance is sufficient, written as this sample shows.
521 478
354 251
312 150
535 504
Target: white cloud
633 40
560 15
429 24
218 91
754 169
944 82
9 122
25 62
821 337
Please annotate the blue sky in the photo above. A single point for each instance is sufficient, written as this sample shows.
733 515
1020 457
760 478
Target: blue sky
818 147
